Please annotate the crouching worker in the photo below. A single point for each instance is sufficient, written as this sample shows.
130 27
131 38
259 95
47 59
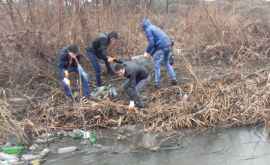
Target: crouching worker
69 62
137 78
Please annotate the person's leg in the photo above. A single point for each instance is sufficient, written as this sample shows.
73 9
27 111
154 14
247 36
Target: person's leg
96 66
125 85
134 96
139 87
85 81
157 62
169 68
141 84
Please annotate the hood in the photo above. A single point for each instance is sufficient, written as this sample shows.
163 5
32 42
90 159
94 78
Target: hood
145 23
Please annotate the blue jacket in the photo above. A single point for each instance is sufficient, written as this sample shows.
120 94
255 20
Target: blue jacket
157 39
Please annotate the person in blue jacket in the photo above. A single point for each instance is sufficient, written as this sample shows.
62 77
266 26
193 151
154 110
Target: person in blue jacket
159 47
69 58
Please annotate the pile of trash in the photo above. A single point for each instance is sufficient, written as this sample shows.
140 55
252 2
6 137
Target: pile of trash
15 153
19 154
103 92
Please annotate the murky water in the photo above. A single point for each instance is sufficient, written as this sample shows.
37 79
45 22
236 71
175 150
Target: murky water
241 146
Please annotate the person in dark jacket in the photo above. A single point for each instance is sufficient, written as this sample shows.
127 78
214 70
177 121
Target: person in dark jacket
97 50
159 47
137 78
69 58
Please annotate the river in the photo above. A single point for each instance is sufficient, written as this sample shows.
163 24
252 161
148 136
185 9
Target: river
241 146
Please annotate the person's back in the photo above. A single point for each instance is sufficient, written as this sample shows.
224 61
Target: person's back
154 34
98 50
137 78
133 69
99 45
159 47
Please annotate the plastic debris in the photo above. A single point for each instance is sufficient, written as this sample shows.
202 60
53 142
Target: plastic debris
9 158
29 157
105 91
35 162
93 137
14 150
42 154
66 149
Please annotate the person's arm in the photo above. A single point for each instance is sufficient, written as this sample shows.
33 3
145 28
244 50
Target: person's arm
133 81
103 49
119 61
151 43
63 59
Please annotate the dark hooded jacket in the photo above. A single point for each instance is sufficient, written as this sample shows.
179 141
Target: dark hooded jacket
135 73
157 39
99 46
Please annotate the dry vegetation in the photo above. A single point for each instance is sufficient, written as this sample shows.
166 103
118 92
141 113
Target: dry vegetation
233 36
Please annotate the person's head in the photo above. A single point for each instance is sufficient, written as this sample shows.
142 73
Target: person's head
119 69
113 37
73 50
145 23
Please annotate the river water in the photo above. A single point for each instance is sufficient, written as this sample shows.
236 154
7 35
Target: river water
241 146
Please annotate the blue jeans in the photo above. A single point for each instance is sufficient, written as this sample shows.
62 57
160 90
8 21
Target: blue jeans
161 56
84 78
96 66
135 93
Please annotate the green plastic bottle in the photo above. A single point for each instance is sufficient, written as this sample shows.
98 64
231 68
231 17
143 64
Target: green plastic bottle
77 134
13 150
93 137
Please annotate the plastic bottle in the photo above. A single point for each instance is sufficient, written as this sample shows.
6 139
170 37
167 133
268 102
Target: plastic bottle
35 162
93 137
86 134
66 149
77 134
7 157
13 150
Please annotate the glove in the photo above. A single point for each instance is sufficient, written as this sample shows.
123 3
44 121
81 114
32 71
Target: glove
131 105
66 81
146 55
66 73
111 59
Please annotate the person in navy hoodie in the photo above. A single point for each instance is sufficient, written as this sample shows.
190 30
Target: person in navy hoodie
69 58
159 47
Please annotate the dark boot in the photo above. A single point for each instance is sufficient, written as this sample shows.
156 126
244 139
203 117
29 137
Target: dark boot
157 86
174 82
139 103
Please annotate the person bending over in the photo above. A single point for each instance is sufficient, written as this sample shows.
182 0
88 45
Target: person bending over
137 78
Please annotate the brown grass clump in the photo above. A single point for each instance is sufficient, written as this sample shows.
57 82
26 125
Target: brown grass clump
221 102
10 126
